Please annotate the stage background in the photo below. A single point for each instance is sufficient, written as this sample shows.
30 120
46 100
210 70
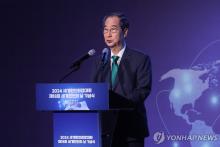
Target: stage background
40 39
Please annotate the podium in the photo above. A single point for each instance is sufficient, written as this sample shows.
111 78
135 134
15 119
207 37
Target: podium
76 111
75 108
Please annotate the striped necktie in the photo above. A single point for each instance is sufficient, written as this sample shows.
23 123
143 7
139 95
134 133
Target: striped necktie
114 69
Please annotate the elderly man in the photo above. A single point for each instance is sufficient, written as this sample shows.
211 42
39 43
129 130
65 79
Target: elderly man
128 73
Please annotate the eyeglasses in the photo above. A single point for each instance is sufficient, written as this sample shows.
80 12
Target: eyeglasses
112 30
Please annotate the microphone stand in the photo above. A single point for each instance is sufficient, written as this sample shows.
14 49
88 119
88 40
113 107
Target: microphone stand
76 65
75 68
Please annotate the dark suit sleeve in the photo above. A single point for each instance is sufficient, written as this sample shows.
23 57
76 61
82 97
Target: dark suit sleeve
143 81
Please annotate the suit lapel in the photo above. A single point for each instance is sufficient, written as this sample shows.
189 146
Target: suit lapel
124 60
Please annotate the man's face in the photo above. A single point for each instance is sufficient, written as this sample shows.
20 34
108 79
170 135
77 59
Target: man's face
113 34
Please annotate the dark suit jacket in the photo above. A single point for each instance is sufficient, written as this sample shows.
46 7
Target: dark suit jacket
133 82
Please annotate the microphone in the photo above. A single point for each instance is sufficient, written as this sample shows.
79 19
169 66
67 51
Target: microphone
105 53
82 58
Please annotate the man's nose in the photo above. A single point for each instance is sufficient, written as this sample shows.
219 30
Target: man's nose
109 33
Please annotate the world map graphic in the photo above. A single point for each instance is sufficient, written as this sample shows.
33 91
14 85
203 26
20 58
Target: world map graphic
196 86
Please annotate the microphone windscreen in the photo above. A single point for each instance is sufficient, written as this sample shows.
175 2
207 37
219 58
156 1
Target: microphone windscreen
105 50
105 53
91 52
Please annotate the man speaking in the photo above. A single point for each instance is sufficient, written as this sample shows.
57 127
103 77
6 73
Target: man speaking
128 73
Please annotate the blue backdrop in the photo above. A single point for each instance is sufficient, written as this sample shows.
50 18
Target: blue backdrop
40 39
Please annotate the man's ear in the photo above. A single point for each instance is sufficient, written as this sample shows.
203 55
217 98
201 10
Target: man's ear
125 33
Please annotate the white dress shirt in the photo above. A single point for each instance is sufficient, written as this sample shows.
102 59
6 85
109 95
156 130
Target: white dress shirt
120 54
